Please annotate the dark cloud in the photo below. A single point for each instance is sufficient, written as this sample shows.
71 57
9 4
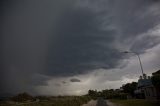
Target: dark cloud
45 39
141 46
81 45
156 0
24 29
39 80
64 82
57 84
75 80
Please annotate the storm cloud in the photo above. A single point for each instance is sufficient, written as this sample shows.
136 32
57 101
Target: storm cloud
75 80
51 40
87 38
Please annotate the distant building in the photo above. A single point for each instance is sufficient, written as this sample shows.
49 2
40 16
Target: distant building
146 89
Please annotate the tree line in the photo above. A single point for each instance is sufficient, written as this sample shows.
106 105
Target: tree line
122 93
126 90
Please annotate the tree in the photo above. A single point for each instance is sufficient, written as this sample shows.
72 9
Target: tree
130 88
156 79
93 93
22 97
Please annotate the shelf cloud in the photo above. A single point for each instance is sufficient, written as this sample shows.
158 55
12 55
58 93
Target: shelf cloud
59 40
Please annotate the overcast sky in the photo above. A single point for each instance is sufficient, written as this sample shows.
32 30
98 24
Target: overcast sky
66 47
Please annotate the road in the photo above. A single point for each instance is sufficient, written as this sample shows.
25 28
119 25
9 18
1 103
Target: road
101 102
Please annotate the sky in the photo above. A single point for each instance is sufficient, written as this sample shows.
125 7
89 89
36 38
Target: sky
66 47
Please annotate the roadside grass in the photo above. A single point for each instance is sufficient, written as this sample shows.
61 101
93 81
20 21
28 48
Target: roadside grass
63 101
135 102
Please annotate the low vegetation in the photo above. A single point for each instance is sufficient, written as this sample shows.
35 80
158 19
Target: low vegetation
135 102
47 101
122 93
108 94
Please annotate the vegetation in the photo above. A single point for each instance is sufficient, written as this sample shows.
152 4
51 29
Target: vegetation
22 97
64 101
108 94
130 88
48 101
156 79
135 102
126 89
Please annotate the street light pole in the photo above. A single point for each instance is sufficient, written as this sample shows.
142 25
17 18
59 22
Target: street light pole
138 59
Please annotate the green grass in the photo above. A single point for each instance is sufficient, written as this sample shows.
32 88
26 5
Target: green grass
135 102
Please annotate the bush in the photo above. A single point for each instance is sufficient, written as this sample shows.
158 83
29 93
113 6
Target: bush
22 97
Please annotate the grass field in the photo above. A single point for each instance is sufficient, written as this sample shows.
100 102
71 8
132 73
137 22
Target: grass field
63 101
135 102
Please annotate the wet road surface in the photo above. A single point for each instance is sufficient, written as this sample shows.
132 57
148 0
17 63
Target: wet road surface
101 102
